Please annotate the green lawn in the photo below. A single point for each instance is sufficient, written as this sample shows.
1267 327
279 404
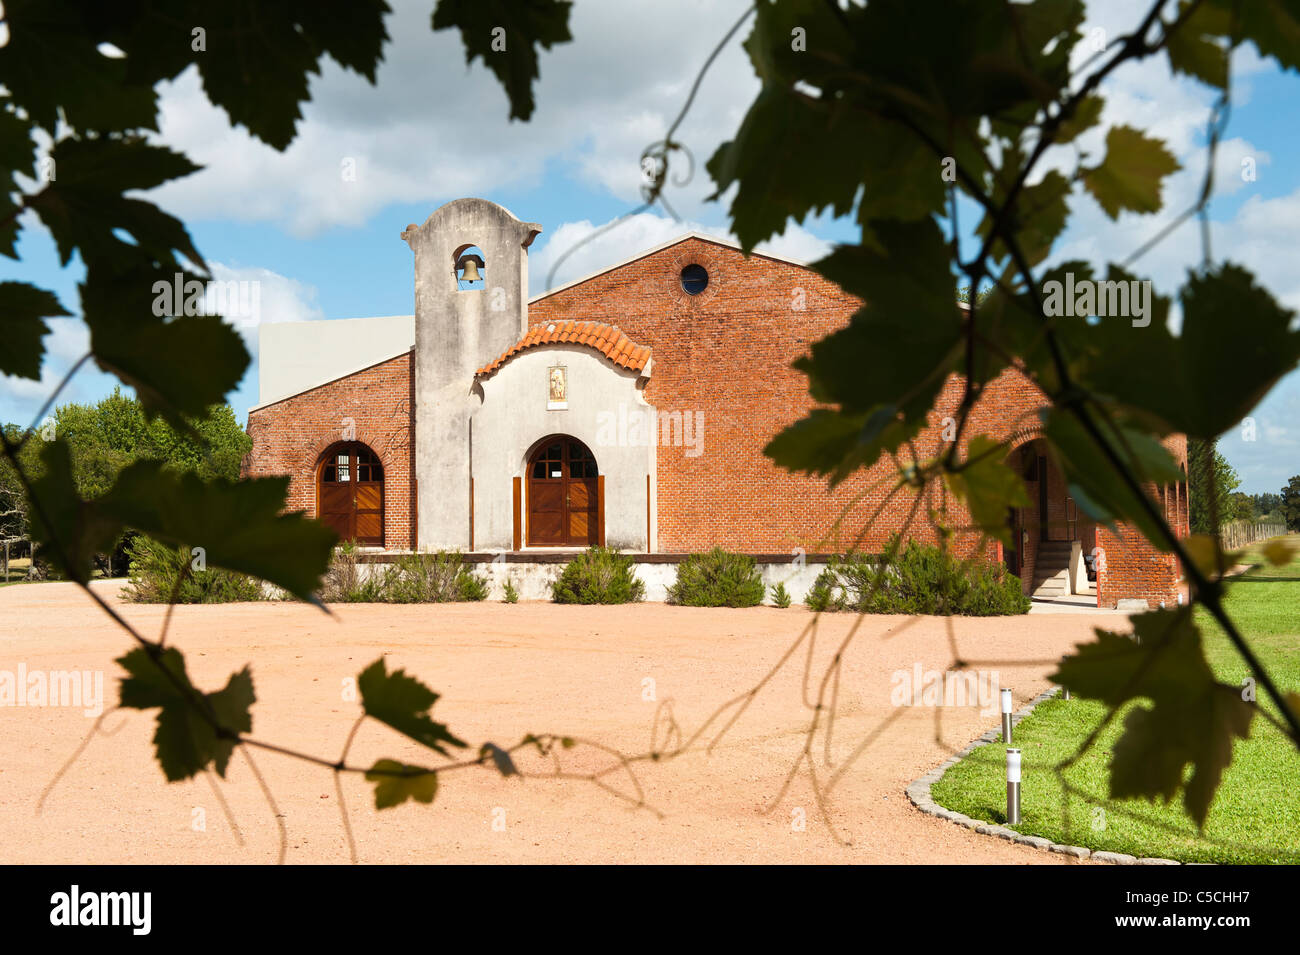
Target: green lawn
17 571
1255 817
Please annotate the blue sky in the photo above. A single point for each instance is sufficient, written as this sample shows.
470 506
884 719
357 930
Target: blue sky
323 248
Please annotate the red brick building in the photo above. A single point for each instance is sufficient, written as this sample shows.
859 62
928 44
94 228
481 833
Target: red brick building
628 408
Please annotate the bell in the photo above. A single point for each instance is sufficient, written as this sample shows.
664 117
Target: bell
469 264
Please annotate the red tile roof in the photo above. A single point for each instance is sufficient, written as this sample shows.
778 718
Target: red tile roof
606 339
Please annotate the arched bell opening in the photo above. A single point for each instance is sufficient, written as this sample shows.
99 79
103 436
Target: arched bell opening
470 268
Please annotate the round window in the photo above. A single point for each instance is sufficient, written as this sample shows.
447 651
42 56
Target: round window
694 279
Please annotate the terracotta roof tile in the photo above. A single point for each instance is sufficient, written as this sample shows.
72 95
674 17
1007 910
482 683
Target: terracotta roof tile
606 339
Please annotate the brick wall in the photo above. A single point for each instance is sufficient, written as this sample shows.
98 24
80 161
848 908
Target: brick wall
1134 569
372 406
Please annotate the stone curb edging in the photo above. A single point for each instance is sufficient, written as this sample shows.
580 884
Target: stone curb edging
918 792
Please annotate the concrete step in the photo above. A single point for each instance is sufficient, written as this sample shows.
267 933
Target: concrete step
1051 585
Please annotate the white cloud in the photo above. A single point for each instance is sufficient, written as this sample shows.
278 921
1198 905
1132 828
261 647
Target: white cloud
430 131
263 297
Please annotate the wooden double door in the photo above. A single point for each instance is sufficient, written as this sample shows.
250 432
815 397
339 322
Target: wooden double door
350 494
564 505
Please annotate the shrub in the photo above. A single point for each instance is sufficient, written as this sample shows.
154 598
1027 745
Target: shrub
598 576
154 569
512 595
780 596
821 594
432 578
717 579
922 578
342 582
415 578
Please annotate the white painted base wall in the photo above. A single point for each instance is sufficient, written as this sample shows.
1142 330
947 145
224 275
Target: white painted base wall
533 581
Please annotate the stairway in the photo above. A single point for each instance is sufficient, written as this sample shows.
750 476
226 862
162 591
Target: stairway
1051 570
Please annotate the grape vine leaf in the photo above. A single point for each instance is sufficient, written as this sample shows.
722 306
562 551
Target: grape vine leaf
988 487
23 309
1192 720
506 35
403 702
396 782
185 740
1129 178
501 759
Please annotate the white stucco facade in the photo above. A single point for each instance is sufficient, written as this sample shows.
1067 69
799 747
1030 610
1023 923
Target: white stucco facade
604 405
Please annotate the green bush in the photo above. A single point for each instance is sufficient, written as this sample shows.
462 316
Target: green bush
415 578
432 578
343 581
922 578
598 576
511 595
154 569
780 596
821 595
717 579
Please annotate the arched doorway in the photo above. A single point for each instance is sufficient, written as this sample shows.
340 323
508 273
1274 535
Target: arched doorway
1046 534
350 493
563 494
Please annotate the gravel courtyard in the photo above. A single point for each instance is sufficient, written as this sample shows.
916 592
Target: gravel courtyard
505 671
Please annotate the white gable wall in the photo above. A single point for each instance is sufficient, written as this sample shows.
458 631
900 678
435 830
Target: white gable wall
295 356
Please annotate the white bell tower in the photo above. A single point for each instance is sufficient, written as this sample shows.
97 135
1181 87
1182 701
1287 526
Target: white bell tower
460 326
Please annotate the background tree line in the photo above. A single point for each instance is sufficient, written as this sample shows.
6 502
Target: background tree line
104 438
1212 490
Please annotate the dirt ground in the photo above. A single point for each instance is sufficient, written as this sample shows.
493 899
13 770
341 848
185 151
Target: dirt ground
505 671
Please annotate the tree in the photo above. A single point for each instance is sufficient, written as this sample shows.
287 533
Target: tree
106 437
1241 507
115 431
1291 503
1211 481
1267 506
13 508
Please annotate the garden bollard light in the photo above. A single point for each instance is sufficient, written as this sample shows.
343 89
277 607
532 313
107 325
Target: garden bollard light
1006 717
1013 787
